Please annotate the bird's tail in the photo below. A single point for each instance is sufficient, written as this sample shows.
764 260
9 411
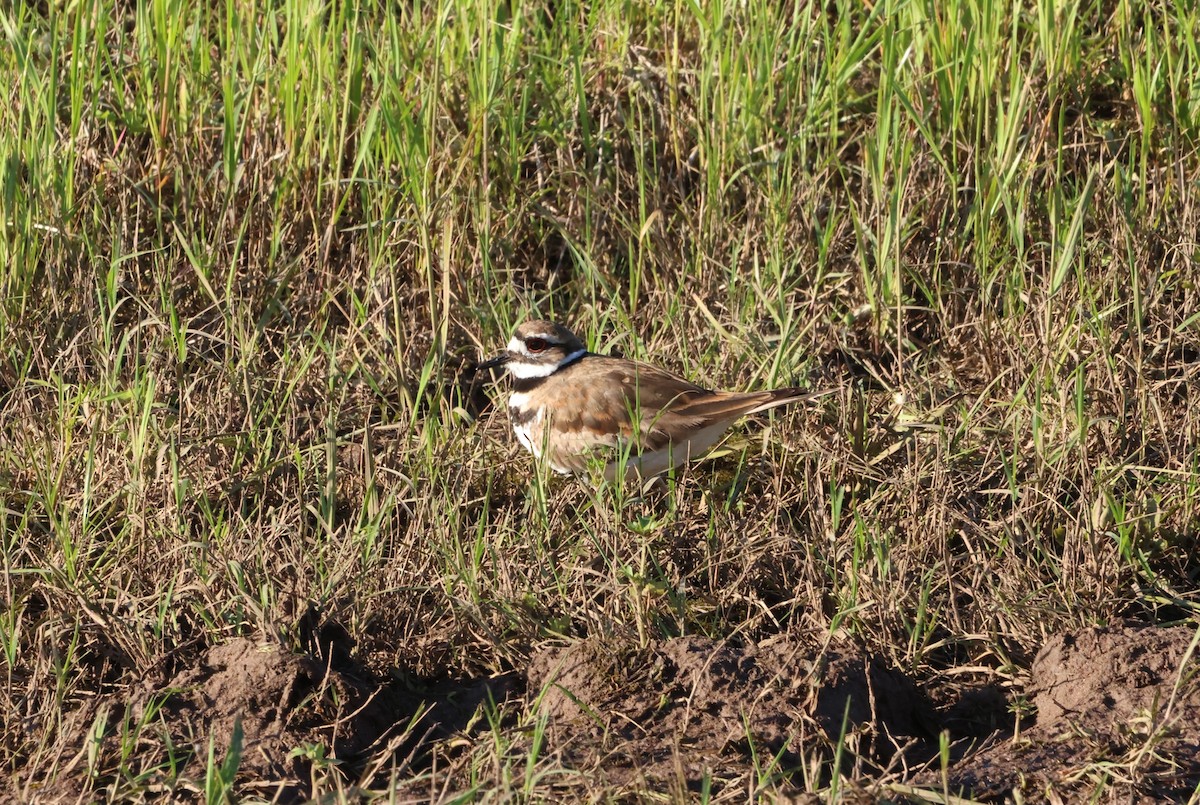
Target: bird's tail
778 397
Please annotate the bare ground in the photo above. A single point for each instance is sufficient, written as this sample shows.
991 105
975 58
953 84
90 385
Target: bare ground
683 716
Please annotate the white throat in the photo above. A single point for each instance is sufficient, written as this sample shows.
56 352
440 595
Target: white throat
523 370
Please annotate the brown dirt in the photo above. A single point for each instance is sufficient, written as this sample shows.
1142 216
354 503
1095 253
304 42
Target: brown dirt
690 707
1122 701
283 703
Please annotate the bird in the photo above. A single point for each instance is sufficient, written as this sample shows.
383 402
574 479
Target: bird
568 404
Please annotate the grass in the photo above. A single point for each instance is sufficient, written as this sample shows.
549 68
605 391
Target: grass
250 251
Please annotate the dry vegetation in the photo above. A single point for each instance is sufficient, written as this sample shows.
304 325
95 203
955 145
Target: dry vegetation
265 535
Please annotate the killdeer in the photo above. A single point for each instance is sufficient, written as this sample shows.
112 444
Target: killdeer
567 402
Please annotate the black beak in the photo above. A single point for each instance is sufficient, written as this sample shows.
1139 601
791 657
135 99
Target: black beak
499 360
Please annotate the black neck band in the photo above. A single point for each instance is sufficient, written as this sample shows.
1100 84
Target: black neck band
521 385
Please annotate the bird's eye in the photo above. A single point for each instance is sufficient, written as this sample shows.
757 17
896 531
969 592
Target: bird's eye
536 344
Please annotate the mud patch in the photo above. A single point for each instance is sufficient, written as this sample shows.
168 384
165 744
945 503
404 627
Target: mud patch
297 719
691 709
1117 705
1114 710
282 702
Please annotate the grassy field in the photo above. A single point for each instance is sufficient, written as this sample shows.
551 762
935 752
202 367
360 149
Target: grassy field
251 252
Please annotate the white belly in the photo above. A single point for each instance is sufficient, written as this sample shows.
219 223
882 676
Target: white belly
532 433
